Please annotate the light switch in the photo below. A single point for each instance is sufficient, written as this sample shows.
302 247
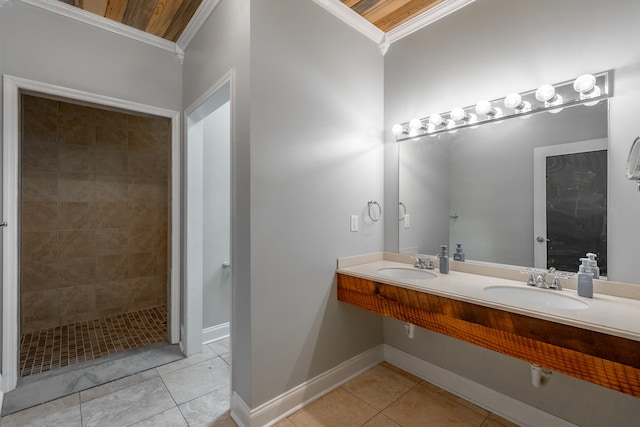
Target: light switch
407 221
354 222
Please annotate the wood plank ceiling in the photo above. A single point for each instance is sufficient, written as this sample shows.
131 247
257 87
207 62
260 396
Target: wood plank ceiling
163 18
388 14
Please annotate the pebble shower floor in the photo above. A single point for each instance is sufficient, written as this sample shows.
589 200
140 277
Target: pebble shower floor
60 346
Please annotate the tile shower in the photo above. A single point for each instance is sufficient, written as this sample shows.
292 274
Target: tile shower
94 232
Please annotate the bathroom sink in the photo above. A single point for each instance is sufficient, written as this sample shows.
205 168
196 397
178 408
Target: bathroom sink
535 298
406 273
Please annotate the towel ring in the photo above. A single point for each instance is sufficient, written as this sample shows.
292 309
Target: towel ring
404 208
371 203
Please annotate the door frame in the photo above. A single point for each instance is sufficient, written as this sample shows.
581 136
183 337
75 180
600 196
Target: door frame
192 307
12 87
540 155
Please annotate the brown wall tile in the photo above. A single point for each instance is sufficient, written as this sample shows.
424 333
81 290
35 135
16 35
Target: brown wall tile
39 186
76 188
77 215
143 264
75 124
114 294
112 188
111 162
40 245
39 309
76 243
39 216
112 241
142 215
112 268
111 138
40 156
77 303
112 215
76 271
79 159
143 240
38 275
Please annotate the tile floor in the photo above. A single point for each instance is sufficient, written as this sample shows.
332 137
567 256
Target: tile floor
195 392
46 349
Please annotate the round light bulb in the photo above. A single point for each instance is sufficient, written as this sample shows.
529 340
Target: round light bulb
436 119
585 83
545 93
451 125
484 107
556 101
513 101
431 128
415 124
458 114
397 129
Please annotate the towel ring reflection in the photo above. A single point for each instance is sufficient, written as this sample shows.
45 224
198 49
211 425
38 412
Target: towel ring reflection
404 208
371 203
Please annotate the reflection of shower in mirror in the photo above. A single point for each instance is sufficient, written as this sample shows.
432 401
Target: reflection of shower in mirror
633 162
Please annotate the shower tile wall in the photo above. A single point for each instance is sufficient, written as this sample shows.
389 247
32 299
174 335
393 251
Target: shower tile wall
94 212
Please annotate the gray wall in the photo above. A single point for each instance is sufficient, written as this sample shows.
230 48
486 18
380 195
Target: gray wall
216 226
316 158
485 50
220 45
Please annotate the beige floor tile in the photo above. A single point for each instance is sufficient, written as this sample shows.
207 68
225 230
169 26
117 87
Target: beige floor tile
221 347
206 354
381 420
197 380
338 408
423 403
455 398
496 421
401 372
284 423
380 386
60 412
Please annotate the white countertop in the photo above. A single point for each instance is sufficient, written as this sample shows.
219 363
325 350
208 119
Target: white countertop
609 314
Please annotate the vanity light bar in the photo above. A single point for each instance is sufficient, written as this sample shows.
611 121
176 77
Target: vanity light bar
588 89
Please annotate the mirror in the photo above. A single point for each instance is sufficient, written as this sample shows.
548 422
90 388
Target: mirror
476 186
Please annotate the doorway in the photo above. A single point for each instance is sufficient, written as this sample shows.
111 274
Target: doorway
570 204
77 238
208 201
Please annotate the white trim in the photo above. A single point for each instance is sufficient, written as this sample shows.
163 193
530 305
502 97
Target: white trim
291 401
215 333
353 19
489 399
81 15
203 12
198 19
10 145
428 17
192 303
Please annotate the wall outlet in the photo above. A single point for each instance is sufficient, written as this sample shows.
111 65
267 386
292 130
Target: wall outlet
354 222
407 221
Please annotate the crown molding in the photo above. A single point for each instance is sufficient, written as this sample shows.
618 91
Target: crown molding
428 17
353 19
198 19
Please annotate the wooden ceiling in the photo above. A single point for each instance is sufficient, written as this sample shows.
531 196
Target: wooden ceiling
163 18
388 14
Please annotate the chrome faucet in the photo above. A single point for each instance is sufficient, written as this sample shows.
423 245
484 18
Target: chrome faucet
540 281
422 262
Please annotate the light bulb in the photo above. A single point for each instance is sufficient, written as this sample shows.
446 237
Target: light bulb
397 129
586 86
431 128
485 108
514 101
547 94
413 132
458 114
415 124
436 119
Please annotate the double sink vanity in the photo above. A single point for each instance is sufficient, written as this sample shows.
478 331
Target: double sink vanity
595 339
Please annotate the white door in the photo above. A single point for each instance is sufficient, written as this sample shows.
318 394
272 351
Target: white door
550 249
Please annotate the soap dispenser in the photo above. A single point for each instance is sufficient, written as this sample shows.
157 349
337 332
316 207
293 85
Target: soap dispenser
458 255
594 265
444 260
585 279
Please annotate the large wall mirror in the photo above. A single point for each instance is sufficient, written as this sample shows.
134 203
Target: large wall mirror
476 187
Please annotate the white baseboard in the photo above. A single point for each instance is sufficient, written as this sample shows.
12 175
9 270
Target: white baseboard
215 333
489 399
291 401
